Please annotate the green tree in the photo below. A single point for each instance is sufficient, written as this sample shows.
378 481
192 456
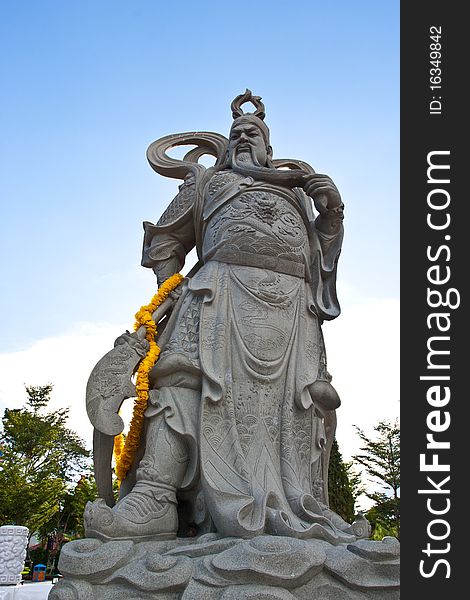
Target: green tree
343 485
381 459
41 457
71 517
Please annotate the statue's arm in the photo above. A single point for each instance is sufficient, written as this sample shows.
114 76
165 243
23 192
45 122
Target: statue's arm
167 243
326 237
331 221
327 201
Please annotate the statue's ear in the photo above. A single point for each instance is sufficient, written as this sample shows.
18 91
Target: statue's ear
270 152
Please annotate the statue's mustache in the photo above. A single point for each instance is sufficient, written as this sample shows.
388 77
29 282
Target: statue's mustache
240 147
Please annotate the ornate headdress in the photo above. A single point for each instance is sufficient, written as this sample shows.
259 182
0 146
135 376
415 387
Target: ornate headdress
237 103
256 117
288 172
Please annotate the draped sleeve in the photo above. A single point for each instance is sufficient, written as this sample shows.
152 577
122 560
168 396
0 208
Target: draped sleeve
325 237
325 251
167 243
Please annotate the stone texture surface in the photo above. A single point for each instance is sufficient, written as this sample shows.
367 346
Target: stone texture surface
212 568
242 409
242 412
13 542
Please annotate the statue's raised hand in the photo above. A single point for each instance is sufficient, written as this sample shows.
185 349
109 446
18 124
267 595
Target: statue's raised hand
323 191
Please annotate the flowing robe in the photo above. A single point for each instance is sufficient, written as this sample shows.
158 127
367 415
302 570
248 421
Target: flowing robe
242 349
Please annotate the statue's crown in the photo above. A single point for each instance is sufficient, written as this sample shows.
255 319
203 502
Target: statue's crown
237 103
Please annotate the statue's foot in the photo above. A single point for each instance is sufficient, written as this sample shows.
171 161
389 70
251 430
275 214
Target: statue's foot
138 516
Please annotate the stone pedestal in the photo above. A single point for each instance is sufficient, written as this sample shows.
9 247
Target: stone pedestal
214 568
13 542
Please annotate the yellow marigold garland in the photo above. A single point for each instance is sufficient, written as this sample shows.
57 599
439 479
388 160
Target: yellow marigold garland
125 453
118 445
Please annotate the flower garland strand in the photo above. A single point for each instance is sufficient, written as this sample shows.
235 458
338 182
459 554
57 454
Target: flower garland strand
118 445
125 454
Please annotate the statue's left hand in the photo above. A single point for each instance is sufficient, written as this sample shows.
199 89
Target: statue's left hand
323 191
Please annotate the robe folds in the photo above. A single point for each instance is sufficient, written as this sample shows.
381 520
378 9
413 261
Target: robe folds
241 351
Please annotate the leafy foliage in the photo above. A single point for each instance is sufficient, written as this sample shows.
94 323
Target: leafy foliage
381 459
40 458
343 485
71 518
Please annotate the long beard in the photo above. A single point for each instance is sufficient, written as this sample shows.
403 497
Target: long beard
245 158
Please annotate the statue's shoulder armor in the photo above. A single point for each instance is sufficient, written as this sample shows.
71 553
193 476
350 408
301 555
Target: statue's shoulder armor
220 179
180 208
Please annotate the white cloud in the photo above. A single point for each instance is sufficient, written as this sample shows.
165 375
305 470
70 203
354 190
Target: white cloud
363 356
65 361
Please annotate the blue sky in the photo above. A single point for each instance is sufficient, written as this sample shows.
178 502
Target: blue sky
88 85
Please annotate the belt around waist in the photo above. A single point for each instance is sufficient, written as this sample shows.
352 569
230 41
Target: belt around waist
262 261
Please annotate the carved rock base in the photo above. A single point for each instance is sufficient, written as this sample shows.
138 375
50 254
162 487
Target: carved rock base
214 568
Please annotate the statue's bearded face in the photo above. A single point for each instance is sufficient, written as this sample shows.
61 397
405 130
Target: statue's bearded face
247 144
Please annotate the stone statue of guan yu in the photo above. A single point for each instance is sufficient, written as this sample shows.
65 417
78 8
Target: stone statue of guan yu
228 493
